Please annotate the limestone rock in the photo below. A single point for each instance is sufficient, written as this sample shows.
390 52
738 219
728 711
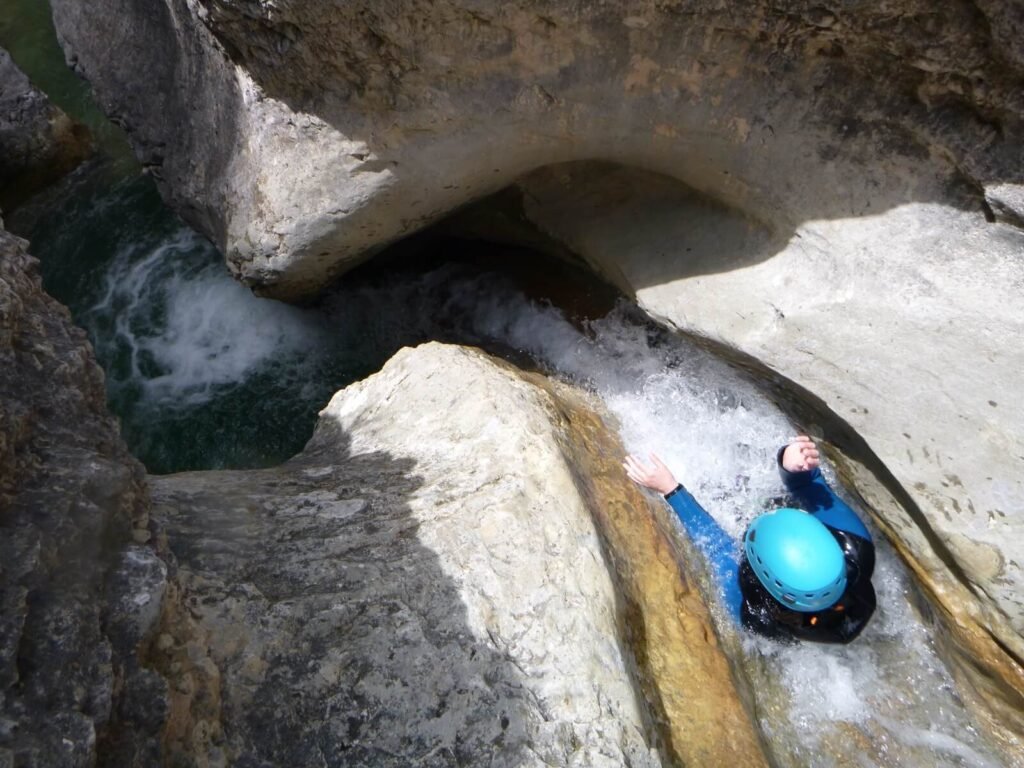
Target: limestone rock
1006 201
299 135
904 324
425 585
38 142
70 495
825 172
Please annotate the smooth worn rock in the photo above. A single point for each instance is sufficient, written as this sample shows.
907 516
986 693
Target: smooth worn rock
685 678
300 135
904 325
38 142
1006 201
830 189
425 585
69 492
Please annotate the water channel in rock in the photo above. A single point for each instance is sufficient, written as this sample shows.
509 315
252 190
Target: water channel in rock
204 375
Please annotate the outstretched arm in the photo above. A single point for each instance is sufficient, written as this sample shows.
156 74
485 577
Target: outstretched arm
709 537
799 466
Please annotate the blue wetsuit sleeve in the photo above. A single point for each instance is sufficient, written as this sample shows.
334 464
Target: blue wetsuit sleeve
813 494
716 545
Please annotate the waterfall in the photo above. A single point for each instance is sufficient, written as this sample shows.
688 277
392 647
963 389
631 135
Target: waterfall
192 358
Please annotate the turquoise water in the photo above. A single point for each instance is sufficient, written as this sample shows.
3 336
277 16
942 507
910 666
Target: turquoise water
204 375
142 284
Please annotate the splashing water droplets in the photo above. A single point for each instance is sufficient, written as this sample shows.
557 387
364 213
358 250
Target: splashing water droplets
179 332
186 329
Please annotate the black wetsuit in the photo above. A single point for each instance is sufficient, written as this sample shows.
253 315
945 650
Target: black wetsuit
750 602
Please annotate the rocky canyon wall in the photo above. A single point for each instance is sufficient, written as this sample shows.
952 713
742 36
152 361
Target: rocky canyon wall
832 189
38 142
80 587
436 579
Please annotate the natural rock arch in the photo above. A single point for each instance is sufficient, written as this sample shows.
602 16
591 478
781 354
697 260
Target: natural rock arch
881 147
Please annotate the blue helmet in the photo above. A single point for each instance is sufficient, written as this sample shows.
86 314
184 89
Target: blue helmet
797 559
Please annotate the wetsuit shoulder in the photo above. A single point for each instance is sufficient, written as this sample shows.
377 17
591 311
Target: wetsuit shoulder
813 494
840 623
844 621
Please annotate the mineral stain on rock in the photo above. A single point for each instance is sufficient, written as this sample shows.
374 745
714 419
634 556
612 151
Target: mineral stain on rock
320 611
437 641
684 675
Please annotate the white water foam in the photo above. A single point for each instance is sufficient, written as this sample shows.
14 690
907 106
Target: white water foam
187 328
189 331
719 434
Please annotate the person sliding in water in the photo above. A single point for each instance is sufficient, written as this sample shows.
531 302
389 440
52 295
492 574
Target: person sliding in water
802 574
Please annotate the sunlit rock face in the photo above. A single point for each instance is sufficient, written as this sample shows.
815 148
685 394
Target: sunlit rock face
905 324
838 195
425 584
80 589
299 135
38 142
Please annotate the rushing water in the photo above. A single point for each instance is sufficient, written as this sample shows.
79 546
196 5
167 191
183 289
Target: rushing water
204 375
884 700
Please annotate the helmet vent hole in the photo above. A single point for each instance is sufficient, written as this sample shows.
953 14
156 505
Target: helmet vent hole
758 559
808 594
789 598
752 536
778 583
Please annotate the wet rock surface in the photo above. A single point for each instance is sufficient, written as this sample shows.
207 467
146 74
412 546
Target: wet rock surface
38 142
424 585
77 597
900 328
837 196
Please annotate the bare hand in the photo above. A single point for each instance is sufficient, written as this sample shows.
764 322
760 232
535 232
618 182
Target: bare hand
658 477
801 455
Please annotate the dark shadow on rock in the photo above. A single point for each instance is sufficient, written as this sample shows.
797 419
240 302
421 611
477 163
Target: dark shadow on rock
339 639
656 226
911 104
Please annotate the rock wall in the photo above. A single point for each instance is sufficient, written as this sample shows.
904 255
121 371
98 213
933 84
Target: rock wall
38 142
79 587
831 189
424 584
902 327
299 135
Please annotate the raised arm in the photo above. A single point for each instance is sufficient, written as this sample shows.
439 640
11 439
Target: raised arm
717 546
799 466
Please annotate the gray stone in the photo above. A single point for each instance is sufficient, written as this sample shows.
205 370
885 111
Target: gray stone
422 585
69 492
301 135
1006 202
38 142
905 328
824 172
373 601
136 591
